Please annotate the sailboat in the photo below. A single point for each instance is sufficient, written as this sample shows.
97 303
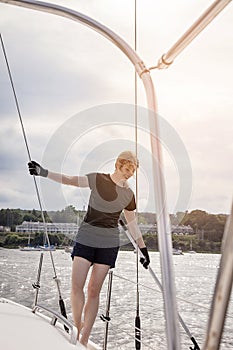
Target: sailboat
29 248
19 325
191 251
177 251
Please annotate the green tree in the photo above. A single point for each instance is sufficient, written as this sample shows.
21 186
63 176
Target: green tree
38 239
11 240
196 219
151 241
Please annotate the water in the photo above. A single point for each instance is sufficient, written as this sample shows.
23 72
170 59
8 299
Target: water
195 278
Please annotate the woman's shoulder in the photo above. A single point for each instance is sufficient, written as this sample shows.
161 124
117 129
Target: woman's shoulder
97 178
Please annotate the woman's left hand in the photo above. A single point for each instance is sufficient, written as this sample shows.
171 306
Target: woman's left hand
146 260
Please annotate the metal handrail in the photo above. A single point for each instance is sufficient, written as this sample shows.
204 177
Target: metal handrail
167 59
56 316
164 226
106 318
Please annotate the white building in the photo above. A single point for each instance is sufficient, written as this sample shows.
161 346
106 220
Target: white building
182 229
68 228
5 229
55 227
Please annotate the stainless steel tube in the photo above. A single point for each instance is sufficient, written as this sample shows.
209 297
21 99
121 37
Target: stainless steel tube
166 60
165 243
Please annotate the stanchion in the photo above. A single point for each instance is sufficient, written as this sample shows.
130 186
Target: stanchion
106 318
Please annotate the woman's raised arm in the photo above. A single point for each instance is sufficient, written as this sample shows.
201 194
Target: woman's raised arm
37 170
79 181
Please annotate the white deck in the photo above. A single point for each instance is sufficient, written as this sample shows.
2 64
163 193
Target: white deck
21 329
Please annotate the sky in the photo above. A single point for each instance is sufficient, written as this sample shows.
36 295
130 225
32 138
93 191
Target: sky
76 92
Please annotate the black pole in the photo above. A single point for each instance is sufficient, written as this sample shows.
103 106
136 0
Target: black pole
137 332
196 346
37 284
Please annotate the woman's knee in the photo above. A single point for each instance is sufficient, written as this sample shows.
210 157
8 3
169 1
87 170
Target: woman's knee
77 288
93 291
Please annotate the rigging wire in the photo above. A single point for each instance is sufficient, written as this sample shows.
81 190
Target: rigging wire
137 317
130 336
61 302
159 291
196 347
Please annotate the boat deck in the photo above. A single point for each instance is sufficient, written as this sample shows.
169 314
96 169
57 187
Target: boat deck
27 330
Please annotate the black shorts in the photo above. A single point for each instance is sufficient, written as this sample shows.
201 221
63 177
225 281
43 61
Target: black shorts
106 256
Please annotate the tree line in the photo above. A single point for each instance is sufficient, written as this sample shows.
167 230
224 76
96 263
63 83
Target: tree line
13 217
208 228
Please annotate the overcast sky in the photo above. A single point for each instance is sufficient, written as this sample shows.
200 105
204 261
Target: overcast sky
76 93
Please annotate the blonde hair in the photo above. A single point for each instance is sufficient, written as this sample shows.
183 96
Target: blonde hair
125 158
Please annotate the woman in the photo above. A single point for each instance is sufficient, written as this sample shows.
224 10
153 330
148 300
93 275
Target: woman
97 241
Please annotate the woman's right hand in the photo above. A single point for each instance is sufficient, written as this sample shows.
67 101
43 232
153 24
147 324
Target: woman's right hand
36 169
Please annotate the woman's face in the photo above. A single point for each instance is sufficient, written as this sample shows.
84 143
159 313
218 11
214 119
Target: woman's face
127 170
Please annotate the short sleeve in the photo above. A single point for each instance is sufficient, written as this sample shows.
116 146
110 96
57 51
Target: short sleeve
132 204
92 180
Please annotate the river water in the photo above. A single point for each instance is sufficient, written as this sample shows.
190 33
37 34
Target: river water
195 278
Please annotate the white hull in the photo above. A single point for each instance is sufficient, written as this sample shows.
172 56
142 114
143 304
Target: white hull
37 249
177 252
22 329
29 249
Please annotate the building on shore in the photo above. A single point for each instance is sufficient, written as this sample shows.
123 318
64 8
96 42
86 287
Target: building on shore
182 229
70 228
55 227
5 228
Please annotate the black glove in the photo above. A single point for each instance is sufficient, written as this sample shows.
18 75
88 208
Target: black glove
36 169
146 260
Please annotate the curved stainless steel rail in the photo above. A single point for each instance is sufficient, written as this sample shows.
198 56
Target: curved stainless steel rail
167 59
164 231
56 316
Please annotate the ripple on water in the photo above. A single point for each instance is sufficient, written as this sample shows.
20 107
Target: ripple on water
195 278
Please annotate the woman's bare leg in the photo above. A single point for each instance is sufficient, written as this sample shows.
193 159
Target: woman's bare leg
98 275
80 270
